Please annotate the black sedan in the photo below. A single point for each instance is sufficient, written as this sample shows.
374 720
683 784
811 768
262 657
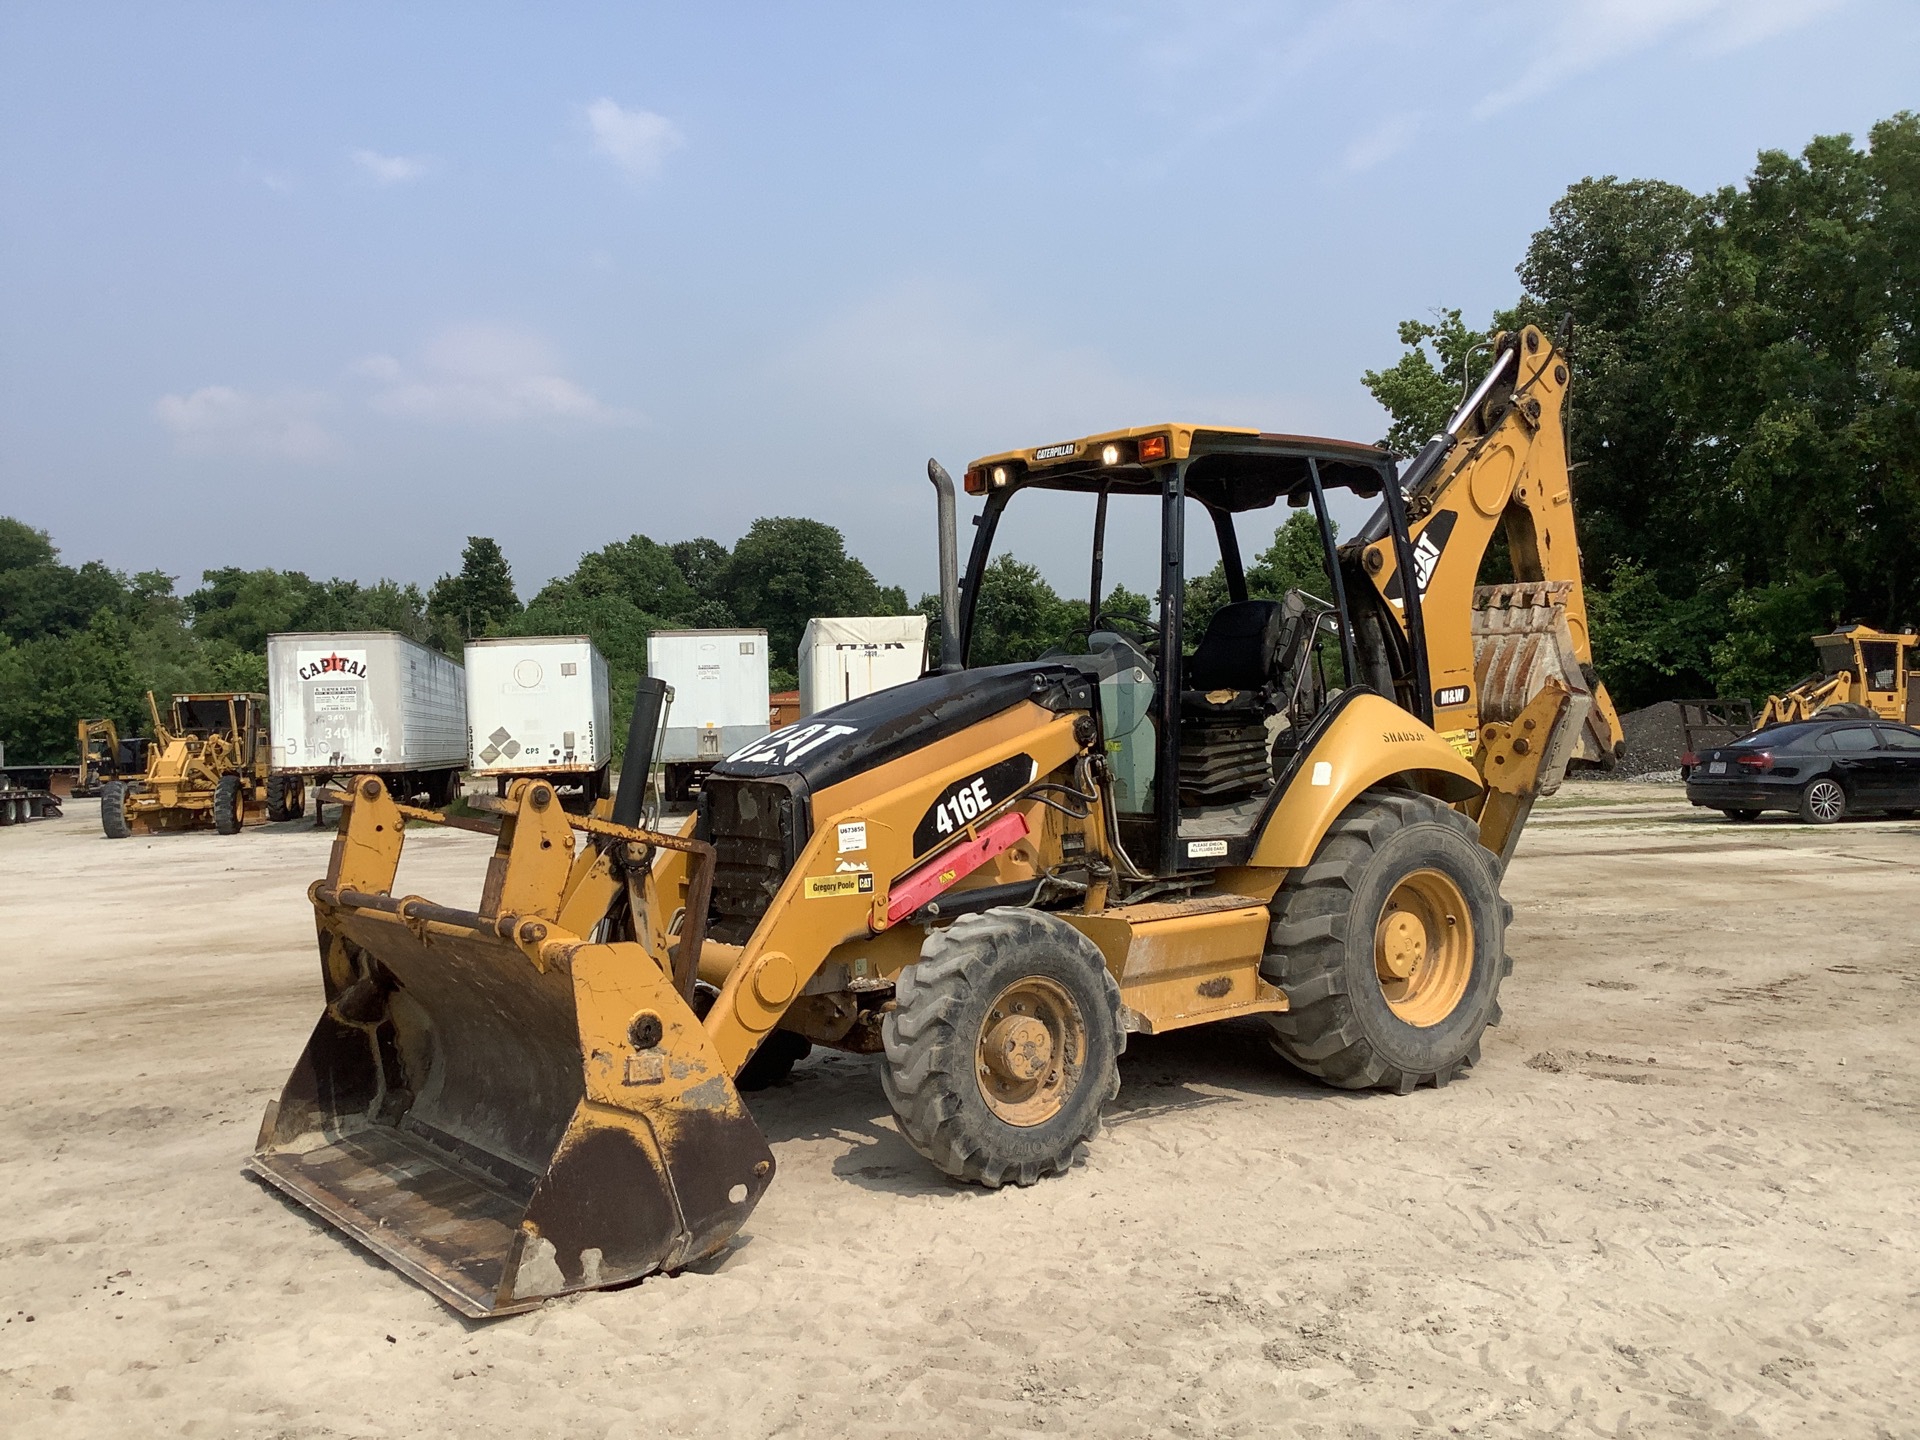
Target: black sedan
1819 769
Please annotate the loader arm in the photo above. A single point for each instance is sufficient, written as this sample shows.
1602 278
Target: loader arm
1510 666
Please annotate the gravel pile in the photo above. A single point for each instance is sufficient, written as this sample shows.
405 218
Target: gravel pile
1656 740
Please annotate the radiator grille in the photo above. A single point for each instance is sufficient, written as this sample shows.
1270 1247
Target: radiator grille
756 828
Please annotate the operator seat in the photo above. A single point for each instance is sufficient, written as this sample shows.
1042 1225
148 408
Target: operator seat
1229 688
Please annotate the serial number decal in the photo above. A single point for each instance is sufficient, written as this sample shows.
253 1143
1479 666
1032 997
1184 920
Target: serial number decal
1450 695
1054 452
827 887
967 800
1401 737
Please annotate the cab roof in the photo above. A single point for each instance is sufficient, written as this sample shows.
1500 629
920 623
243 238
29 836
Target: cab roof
1228 468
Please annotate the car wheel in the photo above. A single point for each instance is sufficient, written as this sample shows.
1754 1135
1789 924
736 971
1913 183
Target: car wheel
1823 801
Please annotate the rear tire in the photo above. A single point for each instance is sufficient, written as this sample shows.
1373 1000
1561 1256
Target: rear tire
1033 996
286 797
1823 801
113 810
1384 995
226 805
773 1061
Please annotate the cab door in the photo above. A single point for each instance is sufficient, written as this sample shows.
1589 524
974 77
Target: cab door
1880 674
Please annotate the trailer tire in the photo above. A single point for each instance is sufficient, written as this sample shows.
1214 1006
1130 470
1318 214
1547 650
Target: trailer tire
286 797
1023 980
1390 946
113 810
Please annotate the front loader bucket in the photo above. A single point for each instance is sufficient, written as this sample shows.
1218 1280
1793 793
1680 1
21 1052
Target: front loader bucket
499 1109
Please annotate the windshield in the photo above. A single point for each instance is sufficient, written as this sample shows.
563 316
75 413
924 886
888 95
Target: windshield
1065 564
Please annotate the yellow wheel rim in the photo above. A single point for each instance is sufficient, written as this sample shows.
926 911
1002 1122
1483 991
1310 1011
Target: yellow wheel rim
1423 948
1033 1046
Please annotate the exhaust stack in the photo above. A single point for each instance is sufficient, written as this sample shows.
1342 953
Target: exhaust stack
949 569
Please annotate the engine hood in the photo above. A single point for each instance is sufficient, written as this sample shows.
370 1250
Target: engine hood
842 741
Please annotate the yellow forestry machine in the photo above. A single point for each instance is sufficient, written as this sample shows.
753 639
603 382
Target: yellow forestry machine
1863 672
988 877
206 764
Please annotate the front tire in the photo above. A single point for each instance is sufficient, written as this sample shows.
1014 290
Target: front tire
113 810
1003 1046
226 805
1823 801
1390 946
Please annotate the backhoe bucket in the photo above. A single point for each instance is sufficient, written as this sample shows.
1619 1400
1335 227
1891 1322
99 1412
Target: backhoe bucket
496 1107
1521 646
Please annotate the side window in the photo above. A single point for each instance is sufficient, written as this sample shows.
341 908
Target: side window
1892 739
1854 741
1881 659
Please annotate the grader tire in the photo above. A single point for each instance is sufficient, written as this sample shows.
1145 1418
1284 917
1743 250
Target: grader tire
1002 1047
226 805
1390 946
113 810
277 807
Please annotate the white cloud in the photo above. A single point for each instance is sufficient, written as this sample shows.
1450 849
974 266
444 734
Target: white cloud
219 420
1588 34
483 374
1381 143
390 169
278 181
638 141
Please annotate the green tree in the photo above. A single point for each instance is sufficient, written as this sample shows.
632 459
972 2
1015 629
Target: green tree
703 563
1019 616
1745 416
1421 389
478 598
49 682
786 570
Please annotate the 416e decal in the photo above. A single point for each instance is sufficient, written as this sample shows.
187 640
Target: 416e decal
967 800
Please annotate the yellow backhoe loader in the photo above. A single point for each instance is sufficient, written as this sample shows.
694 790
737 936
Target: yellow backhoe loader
1870 672
206 764
104 756
988 878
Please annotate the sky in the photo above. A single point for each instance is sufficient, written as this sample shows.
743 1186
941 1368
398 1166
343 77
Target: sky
332 287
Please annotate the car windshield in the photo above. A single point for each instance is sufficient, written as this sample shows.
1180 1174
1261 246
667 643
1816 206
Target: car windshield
1778 737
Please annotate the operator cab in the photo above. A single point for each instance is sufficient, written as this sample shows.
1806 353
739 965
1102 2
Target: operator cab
1202 731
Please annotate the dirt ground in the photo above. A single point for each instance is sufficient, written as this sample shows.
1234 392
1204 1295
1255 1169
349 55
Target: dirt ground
1676 1198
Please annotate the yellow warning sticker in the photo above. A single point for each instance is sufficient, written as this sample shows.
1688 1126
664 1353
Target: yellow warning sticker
823 887
1463 741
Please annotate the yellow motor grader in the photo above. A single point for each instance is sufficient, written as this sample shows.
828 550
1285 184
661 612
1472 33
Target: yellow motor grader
206 764
988 878
1868 672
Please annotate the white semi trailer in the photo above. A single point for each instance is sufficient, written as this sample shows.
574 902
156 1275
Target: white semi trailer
538 707
358 702
720 699
842 659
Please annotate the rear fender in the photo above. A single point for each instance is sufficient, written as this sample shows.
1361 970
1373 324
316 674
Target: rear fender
1369 741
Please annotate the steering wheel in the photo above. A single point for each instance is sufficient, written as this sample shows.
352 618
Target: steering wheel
1144 636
